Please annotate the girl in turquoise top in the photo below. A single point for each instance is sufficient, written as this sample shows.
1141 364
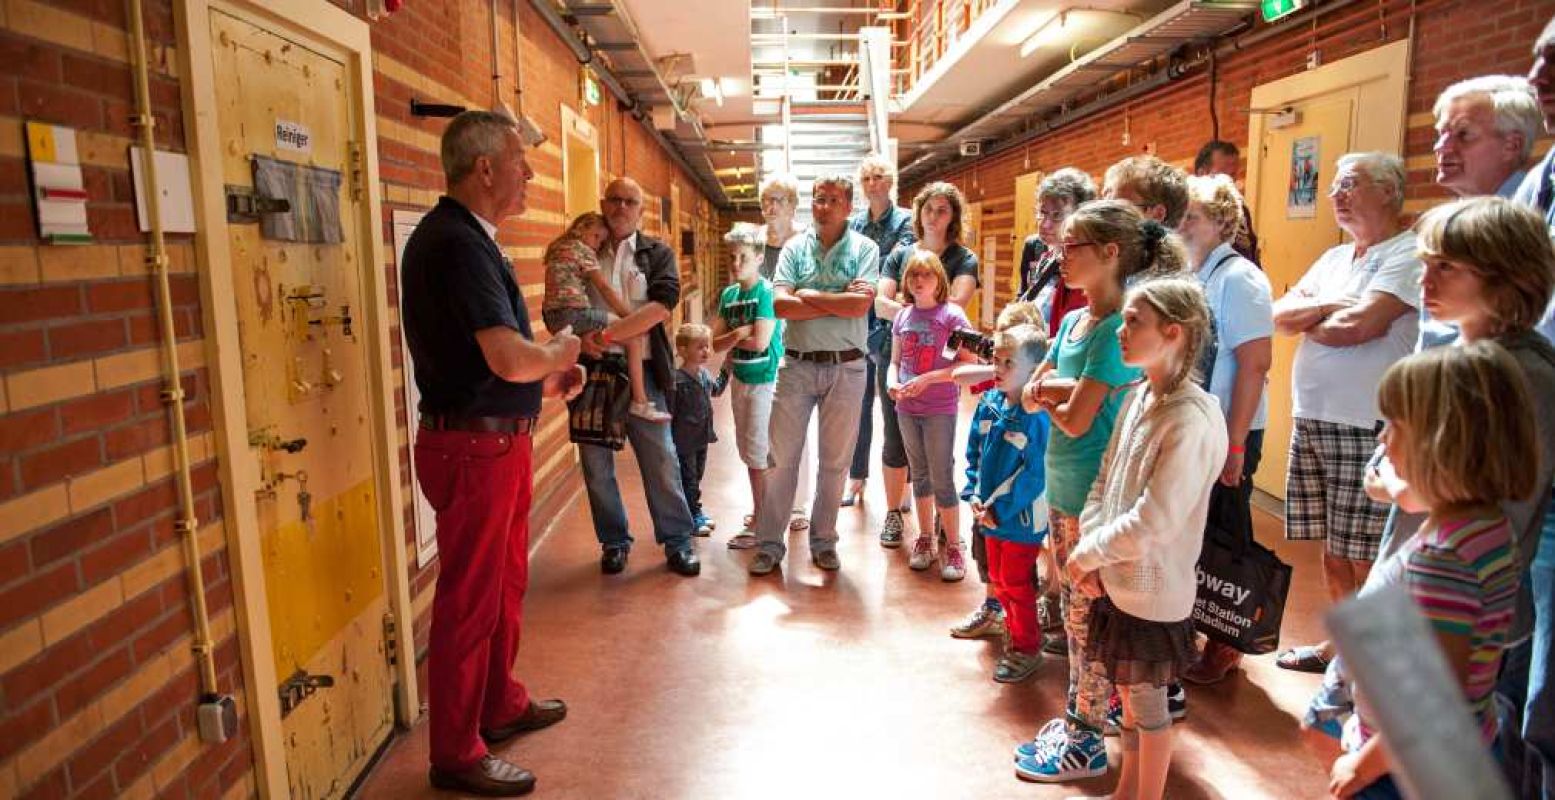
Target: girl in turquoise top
1105 244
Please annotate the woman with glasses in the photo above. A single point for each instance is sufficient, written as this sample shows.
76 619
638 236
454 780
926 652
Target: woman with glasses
1058 196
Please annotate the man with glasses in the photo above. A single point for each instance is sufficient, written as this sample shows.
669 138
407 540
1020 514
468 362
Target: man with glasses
824 285
642 271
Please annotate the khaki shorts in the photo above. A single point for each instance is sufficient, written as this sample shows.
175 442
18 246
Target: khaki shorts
752 403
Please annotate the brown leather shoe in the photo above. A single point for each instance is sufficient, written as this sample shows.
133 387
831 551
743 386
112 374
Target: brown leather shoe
492 777
539 714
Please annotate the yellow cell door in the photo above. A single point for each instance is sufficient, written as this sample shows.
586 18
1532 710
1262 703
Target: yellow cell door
1025 223
308 396
1293 234
971 236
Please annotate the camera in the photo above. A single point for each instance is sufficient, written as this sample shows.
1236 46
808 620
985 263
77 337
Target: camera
966 339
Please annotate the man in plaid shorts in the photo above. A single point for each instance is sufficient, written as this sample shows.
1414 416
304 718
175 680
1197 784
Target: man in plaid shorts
1356 309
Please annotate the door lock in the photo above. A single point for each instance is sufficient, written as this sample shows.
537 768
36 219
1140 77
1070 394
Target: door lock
299 687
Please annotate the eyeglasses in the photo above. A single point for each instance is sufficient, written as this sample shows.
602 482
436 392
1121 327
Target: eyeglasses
623 201
1345 185
1064 247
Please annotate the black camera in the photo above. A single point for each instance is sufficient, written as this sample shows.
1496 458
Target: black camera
967 339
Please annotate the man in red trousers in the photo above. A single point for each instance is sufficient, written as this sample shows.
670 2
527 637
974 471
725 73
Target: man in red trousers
481 377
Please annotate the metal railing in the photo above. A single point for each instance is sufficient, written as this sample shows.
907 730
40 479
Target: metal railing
932 27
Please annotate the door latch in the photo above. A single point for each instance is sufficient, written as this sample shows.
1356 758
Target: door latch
299 687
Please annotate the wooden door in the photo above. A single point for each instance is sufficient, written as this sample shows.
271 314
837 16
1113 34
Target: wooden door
1025 223
307 386
1293 235
971 236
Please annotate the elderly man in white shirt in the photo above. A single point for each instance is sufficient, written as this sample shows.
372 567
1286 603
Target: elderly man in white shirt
1357 311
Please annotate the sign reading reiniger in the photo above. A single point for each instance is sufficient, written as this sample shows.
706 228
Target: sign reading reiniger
293 136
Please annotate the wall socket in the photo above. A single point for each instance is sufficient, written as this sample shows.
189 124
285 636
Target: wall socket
218 718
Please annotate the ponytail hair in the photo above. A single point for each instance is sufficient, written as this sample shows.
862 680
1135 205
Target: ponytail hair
1145 247
1178 300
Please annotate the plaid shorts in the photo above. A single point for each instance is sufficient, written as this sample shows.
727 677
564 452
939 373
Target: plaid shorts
1325 495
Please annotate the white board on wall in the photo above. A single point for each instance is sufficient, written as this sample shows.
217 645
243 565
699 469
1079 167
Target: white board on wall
425 518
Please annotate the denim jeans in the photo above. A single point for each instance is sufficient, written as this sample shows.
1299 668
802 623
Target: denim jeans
892 453
859 470
803 387
660 469
1539 710
930 441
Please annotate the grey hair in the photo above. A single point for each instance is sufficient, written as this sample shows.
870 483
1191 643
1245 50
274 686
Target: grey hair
471 135
877 162
1516 107
1070 185
841 180
1384 169
781 182
746 235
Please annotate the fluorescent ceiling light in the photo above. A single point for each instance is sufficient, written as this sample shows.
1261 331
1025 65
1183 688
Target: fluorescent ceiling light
1050 32
712 89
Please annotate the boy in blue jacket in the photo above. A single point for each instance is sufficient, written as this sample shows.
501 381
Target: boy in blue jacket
1010 498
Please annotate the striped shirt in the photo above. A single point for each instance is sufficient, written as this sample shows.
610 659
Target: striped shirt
1463 576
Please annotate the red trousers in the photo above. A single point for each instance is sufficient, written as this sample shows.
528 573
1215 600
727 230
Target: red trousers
1012 569
480 484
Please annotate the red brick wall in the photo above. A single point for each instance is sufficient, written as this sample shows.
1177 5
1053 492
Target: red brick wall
1454 39
97 688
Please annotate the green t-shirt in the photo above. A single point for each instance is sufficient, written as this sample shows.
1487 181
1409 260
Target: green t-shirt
1072 462
738 307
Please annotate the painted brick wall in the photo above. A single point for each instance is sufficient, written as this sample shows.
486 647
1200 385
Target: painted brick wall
97 686
1454 39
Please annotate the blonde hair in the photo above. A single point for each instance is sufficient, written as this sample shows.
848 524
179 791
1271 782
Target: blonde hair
1178 301
1156 182
1218 197
1503 243
785 184
1144 245
1019 314
583 222
1028 341
692 332
923 260
1384 169
1454 451
747 236
952 195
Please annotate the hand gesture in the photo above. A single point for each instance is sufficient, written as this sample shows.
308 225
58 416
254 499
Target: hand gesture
860 286
564 347
1231 473
593 344
1087 583
988 518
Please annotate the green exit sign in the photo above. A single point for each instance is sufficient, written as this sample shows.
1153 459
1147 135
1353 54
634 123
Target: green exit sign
1274 9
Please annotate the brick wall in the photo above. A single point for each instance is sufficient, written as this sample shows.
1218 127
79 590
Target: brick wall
97 683
1454 39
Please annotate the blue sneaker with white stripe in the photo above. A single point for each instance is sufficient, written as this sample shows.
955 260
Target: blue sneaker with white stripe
1084 755
1050 738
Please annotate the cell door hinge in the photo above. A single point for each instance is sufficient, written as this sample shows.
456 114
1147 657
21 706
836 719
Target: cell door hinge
358 170
391 640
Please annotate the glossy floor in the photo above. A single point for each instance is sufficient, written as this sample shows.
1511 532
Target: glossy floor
815 685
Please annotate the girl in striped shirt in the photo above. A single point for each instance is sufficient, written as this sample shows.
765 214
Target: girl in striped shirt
1456 464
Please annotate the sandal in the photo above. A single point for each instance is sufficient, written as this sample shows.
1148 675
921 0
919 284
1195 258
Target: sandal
1306 658
854 496
798 524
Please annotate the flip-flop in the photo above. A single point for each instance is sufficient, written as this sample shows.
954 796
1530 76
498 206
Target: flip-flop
742 541
798 524
1306 658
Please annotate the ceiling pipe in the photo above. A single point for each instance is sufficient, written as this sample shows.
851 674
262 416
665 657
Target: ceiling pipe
639 111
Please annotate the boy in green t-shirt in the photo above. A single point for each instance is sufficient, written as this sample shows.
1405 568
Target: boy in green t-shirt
747 324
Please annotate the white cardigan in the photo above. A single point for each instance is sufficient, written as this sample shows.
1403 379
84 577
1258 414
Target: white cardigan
1143 524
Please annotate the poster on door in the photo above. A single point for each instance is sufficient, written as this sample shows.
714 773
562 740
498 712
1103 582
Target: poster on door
1301 200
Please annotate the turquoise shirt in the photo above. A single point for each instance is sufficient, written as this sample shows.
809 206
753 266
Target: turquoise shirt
803 265
739 306
1072 462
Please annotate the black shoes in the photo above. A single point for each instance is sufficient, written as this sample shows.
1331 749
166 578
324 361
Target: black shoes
683 562
613 560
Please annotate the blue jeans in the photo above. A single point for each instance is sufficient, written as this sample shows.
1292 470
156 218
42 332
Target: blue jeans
832 390
660 469
859 470
1539 709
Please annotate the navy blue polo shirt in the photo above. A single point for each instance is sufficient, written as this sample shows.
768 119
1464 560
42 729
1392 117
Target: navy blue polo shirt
455 282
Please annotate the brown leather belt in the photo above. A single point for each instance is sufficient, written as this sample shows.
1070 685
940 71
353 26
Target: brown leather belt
518 426
827 356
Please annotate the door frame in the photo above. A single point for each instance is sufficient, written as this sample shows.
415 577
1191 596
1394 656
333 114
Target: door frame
331 30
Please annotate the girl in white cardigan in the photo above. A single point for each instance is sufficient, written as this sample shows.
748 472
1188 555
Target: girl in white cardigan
1143 522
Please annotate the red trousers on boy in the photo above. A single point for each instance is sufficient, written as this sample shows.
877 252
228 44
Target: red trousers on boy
1012 569
481 485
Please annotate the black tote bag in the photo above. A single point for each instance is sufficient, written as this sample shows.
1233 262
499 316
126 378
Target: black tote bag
1242 584
598 414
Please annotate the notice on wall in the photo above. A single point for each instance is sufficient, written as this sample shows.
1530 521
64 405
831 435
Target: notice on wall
1301 200
293 137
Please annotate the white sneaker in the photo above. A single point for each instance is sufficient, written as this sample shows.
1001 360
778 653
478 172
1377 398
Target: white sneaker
650 412
952 564
922 553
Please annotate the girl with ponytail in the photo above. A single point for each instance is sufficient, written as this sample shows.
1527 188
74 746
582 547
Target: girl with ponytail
1105 246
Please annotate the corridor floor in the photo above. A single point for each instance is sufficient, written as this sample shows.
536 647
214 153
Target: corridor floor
806 684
